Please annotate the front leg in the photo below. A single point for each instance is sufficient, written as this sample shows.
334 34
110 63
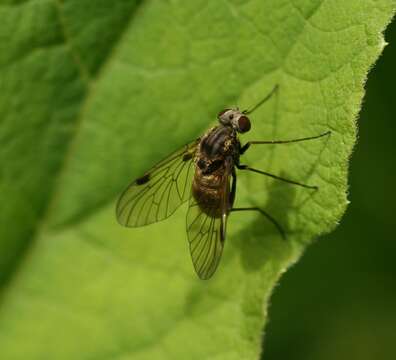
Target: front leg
273 142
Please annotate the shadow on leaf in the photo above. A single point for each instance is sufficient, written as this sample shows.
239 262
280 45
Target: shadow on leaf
260 239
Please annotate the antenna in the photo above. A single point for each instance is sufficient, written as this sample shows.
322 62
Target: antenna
261 102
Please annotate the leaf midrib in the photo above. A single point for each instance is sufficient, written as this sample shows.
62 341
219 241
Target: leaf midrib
89 82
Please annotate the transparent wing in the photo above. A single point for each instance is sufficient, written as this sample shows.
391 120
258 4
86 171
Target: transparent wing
160 191
206 230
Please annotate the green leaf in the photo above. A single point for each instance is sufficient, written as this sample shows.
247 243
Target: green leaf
95 92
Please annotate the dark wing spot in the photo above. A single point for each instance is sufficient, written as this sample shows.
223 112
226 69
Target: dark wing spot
142 180
187 156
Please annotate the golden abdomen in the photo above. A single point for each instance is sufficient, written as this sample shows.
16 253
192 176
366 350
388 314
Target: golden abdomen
208 191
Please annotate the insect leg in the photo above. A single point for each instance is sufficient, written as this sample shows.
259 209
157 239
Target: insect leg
233 187
268 216
245 167
272 142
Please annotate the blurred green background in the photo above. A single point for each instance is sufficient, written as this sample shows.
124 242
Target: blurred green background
339 300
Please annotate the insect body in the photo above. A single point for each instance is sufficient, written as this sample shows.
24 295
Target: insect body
202 173
216 155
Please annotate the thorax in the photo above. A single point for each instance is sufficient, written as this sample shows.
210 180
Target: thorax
220 141
217 145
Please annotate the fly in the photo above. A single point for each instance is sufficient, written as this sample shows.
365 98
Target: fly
203 173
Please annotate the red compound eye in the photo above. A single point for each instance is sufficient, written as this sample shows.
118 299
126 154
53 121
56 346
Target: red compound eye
243 124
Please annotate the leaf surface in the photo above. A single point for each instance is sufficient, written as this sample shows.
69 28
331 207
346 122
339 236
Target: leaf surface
94 93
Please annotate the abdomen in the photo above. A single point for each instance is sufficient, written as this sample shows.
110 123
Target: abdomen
208 192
